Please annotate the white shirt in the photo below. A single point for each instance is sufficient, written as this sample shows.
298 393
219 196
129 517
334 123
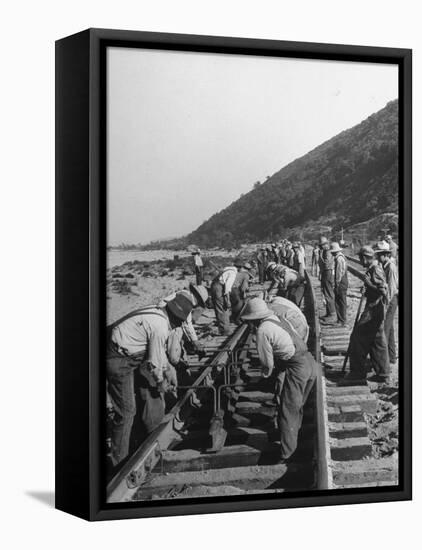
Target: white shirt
273 341
227 278
145 333
198 260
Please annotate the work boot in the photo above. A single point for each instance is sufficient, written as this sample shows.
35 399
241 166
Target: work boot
353 379
379 379
328 320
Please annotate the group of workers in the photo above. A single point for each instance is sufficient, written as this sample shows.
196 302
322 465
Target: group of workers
145 347
373 331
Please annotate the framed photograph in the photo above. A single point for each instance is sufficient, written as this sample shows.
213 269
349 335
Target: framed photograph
233 226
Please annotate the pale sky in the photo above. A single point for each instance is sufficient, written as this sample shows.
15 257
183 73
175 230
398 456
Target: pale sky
188 133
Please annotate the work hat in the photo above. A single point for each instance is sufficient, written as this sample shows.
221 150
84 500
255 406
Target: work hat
366 251
271 265
255 309
323 240
381 247
389 237
180 307
238 262
200 293
273 245
335 247
247 265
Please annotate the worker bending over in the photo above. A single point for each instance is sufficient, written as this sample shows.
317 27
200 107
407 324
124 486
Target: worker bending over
221 288
286 309
284 357
198 296
240 289
146 341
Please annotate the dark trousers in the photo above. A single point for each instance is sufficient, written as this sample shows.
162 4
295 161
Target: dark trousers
121 388
237 302
368 336
389 329
340 294
199 274
328 292
261 273
295 380
221 312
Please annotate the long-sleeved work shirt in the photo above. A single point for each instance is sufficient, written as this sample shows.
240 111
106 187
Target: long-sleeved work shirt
299 262
392 279
198 260
241 281
272 341
393 249
326 262
375 284
145 334
262 257
288 277
289 311
340 269
227 278
187 326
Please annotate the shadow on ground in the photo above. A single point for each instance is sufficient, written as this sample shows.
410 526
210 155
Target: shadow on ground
45 497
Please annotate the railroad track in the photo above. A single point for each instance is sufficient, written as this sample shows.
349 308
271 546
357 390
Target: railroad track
348 408
188 455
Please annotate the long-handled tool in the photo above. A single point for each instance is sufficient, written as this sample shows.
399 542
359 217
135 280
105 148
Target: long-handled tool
362 298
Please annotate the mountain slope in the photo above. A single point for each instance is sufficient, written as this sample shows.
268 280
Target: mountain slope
350 178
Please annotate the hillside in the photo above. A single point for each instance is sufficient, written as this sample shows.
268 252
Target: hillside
348 179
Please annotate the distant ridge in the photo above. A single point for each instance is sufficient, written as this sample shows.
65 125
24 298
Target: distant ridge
348 179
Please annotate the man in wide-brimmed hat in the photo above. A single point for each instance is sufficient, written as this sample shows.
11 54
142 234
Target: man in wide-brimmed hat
326 269
147 341
285 358
198 295
341 284
368 336
383 253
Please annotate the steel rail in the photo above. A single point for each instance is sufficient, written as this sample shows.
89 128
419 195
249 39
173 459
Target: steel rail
126 482
323 477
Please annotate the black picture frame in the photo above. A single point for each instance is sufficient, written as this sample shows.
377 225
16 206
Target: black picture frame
80 267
